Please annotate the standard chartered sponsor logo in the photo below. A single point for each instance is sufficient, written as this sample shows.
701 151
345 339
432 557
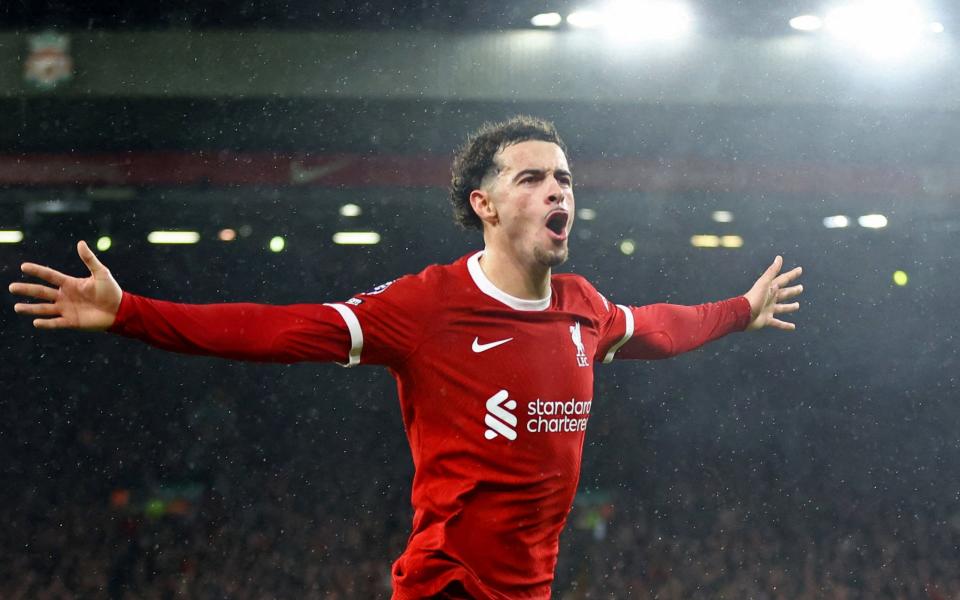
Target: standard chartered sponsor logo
499 420
546 416
553 416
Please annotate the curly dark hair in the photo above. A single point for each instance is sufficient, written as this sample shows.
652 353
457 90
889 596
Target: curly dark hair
475 160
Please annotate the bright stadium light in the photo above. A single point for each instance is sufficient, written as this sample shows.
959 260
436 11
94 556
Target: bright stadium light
872 221
884 29
705 241
587 214
806 23
173 237
722 216
628 247
11 237
836 222
731 241
350 210
350 238
585 19
546 20
277 243
900 278
227 235
104 243
629 20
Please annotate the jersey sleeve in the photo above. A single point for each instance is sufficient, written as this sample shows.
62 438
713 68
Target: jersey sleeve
665 330
382 326
260 332
389 322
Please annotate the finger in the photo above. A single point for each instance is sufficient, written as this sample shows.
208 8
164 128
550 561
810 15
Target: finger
40 309
790 292
33 290
89 258
790 276
45 273
774 268
786 308
778 324
58 323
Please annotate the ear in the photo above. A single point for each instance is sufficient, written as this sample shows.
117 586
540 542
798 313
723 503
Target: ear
483 205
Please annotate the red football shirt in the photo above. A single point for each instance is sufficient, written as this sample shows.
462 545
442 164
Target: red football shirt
495 393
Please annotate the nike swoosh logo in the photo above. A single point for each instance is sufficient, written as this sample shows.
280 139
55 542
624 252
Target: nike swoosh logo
300 173
478 347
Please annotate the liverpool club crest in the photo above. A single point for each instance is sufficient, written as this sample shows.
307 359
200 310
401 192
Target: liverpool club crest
49 63
578 344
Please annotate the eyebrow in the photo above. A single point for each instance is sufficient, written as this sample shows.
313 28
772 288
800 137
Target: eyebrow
542 172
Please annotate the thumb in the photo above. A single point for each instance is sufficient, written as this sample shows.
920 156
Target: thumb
89 258
774 268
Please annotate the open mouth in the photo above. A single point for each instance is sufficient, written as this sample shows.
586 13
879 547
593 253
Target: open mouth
557 223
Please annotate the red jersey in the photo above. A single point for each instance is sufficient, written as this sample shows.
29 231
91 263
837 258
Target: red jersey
495 393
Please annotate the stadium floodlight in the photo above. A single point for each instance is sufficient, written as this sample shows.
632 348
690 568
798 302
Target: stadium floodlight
11 237
546 20
587 214
585 19
629 20
628 247
351 238
350 210
277 243
872 221
900 278
722 216
227 235
836 222
884 29
705 241
173 237
731 241
806 23
104 243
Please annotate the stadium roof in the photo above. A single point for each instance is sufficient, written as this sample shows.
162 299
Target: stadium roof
713 17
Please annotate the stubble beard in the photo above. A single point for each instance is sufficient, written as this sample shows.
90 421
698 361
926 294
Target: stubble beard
551 258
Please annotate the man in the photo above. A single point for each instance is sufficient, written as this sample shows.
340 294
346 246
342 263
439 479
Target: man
493 357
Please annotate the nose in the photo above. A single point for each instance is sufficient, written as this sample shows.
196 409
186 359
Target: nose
556 193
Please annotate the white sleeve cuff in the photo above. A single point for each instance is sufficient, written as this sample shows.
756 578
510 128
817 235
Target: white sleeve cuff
627 333
356 334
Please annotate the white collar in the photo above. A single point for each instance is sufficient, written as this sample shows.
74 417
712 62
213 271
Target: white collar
486 286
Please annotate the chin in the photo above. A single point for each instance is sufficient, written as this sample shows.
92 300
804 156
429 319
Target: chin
551 258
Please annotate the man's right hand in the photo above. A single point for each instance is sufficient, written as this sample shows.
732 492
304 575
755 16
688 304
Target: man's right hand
90 304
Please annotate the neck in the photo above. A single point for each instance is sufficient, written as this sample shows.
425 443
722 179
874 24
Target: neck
510 275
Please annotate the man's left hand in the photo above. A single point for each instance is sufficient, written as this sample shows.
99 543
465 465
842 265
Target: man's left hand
769 292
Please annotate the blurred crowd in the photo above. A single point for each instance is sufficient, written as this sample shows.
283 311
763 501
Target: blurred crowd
734 552
321 510
270 545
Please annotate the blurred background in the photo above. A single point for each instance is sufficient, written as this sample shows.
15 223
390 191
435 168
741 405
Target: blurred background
287 152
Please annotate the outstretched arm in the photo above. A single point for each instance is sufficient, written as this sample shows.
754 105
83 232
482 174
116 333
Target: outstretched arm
665 330
241 330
